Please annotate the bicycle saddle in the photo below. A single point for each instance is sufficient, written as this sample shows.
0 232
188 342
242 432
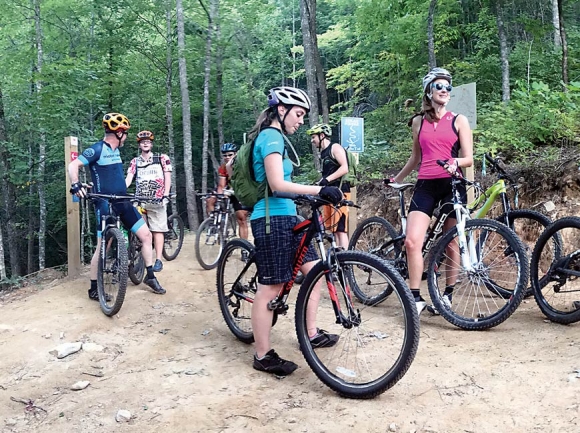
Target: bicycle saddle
401 186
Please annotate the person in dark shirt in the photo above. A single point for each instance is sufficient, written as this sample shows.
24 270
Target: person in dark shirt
104 162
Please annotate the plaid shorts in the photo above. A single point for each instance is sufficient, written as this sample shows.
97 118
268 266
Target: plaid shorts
275 252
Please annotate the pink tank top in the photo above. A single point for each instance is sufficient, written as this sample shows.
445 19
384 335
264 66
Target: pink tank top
438 141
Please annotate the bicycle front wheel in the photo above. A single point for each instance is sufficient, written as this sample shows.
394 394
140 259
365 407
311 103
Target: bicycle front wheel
528 225
377 344
498 263
136 268
237 282
112 272
375 236
173 239
555 271
208 244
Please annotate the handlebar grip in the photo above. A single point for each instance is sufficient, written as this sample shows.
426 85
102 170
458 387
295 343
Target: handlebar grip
282 194
489 159
442 163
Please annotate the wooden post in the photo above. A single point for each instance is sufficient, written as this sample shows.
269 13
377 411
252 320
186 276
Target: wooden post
470 175
73 227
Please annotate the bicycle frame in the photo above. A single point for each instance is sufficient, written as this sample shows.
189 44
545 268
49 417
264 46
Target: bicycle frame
312 229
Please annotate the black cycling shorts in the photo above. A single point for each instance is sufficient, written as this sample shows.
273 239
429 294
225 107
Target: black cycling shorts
130 216
431 193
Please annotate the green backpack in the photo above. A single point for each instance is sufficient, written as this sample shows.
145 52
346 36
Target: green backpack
243 180
352 176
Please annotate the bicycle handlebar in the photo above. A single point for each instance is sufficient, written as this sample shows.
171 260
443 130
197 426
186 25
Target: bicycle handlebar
112 197
310 198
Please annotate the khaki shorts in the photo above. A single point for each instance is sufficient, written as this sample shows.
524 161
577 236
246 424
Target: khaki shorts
156 217
336 220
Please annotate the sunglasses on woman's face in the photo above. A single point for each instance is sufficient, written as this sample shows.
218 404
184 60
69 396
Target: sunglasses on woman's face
228 155
441 86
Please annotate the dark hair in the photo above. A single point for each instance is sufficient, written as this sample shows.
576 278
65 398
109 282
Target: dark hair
427 111
264 119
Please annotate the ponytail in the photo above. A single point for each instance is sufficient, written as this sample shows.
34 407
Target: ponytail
264 120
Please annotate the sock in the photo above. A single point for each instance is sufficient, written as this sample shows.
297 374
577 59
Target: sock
416 294
93 284
150 273
449 290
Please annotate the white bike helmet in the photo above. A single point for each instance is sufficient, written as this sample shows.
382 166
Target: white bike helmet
434 74
288 96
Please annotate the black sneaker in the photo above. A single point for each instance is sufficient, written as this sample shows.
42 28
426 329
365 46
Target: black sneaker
155 286
272 363
323 339
94 295
158 266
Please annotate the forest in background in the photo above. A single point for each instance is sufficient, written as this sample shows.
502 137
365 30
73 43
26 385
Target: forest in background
197 74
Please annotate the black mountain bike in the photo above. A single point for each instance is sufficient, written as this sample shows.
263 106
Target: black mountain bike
377 344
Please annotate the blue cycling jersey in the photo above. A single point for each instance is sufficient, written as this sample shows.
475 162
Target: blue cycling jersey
106 168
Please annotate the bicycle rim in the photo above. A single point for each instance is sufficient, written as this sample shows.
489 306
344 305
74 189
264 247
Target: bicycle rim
555 270
372 236
375 352
112 272
208 244
528 225
136 267
501 264
236 287
173 239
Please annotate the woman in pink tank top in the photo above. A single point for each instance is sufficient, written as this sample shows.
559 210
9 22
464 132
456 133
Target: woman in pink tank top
437 134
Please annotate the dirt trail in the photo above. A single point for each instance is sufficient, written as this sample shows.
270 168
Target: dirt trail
171 361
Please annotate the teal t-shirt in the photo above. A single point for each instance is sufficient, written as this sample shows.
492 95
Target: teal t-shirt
269 141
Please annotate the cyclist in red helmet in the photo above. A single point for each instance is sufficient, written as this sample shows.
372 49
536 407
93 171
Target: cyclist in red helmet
152 175
104 162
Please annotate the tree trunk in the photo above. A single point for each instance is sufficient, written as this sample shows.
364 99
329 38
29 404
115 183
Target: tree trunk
213 5
320 77
556 24
564 47
190 196
41 146
431 34
168 103
2 265
219 72
309 61
503 53
9 199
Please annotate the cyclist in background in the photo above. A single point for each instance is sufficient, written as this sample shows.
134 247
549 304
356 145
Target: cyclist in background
152 175
274 239
437 134
228 151
334 167
104 162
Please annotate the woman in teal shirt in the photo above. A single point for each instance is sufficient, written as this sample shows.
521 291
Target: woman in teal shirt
287 107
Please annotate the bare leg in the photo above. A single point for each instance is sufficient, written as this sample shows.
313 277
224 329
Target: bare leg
158 240
145 237
262 317
242 218
417 225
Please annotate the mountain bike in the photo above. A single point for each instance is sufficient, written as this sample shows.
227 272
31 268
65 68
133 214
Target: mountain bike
377 344
215 231
555 271
377 236
112 267
172 243
493 262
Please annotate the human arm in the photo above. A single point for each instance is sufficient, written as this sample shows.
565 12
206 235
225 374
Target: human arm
166 175
275 175
73 174
466 140
415 157
222 183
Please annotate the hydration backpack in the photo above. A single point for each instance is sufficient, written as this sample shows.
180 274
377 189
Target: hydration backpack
243 180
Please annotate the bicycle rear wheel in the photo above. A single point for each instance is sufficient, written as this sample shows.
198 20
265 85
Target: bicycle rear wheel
376 345
375 236
208 244
555 271
501 263
136 268
173 239
528 225
237 279
112 272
